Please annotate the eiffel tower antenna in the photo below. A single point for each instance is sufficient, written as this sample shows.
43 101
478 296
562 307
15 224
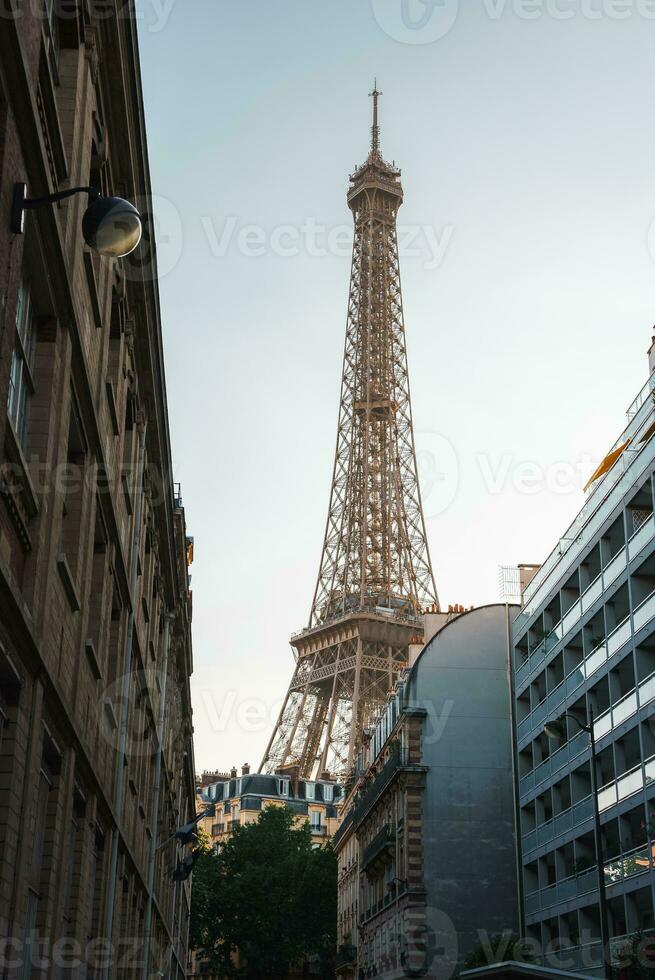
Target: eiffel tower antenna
375 129
375 576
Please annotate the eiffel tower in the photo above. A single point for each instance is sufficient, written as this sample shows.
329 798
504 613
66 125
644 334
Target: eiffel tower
375 575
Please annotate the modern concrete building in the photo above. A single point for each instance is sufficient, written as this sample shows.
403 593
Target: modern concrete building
584 643
240 799
96 753
426 847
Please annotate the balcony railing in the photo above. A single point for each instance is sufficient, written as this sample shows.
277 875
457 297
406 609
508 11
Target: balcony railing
378 847
588 958
556 761
627 784
620 635
627 865
617 869
562 891
626 707
343 827
346 956
561 823
397 759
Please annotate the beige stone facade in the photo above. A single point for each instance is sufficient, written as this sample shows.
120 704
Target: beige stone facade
381 899
95 607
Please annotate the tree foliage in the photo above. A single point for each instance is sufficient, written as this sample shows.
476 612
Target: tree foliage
267 894
497 948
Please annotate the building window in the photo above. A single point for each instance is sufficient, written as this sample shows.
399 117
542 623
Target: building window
45 786
310 791
328 793
52 30
21 386
315 819
29 933
283 787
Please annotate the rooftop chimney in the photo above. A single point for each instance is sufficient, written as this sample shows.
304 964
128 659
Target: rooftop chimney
245 769
526 574
233 772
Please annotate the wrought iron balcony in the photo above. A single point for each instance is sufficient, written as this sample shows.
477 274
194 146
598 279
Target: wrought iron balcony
346 956
379 851
397 759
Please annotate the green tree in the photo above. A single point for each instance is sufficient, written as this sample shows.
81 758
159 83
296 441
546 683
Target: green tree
268 895
497 948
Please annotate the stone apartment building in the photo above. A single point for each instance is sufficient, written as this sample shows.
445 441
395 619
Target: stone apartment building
96 754
240 799
426 846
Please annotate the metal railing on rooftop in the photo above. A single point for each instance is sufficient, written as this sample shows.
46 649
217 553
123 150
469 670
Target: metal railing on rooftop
602 499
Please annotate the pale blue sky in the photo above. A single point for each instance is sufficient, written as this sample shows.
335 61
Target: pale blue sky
527 150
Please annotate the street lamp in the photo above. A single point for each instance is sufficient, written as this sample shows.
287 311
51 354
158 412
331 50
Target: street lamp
556 731
111 225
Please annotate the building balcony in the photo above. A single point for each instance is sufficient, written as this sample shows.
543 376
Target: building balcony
628 705
625 708
620 635
346 956
379 852
625 785
345 824
618 563
588 958
635 862
397 759
559 824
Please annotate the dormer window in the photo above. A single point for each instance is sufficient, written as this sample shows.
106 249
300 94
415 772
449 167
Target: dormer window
310 791
283 787
328 793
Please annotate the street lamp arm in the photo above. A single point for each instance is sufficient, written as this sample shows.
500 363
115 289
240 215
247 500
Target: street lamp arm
37 202
110 225
584 728
22 203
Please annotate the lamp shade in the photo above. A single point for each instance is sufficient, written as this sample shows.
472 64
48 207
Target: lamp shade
112 226
555 730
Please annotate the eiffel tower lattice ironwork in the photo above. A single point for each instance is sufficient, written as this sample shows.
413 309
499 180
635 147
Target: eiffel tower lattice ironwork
375 575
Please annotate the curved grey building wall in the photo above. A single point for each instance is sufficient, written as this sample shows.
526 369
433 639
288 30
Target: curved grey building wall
469 845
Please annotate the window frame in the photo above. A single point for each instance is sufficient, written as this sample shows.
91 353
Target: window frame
21 376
